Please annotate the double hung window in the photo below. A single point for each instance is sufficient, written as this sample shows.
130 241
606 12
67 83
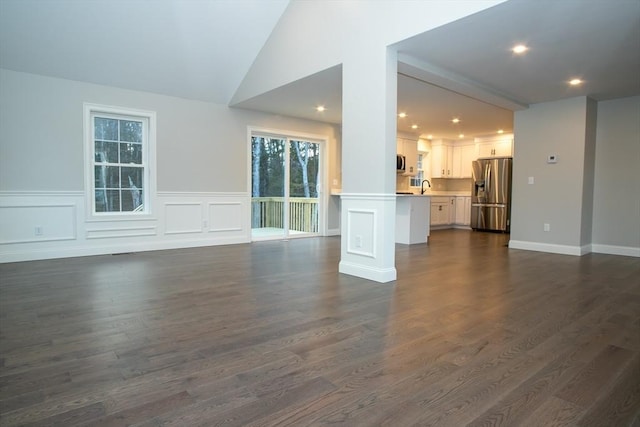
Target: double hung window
118 143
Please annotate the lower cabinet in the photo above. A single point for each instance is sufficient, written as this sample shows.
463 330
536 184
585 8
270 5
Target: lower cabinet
442 210
451 211
463 210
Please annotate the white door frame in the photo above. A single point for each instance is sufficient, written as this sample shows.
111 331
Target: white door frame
288 135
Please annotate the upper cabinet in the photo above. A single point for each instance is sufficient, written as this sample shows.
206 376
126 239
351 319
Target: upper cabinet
451 160
409 149
463 155
441 159
495 147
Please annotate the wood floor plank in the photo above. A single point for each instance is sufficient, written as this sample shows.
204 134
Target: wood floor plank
270 333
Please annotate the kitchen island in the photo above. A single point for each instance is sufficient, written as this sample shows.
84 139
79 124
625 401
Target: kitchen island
412 218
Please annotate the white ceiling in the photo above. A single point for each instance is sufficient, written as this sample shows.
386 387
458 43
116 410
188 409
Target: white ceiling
196 49
202 50
596 40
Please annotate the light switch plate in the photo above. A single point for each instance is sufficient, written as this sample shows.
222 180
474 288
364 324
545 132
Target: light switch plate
531 180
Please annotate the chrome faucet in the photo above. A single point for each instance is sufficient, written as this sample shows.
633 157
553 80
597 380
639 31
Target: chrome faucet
422 185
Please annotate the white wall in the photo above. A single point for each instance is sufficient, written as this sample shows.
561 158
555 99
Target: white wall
616 195
202 175
591 197
556 197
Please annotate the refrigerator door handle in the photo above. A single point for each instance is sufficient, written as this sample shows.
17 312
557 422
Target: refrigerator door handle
487 182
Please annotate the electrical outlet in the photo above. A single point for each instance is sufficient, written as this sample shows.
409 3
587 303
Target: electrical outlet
358 241
38 230
531 180
547 227
204 224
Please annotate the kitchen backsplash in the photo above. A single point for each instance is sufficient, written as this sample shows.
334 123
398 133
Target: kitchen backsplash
437 184
461 184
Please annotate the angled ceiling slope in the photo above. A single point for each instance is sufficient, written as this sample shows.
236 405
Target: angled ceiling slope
189 49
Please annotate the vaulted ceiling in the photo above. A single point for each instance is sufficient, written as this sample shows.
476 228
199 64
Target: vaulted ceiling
202 50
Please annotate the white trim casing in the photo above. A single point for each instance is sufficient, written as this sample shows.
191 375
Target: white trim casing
149 161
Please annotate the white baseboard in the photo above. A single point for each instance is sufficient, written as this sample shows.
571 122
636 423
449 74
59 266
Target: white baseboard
333 232
549 247
615 250
376 274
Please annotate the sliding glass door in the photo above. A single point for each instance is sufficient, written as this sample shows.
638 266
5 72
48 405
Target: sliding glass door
285 177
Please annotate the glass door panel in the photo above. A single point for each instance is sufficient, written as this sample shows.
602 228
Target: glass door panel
303 187
268 158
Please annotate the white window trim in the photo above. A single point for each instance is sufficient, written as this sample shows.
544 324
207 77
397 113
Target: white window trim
150 169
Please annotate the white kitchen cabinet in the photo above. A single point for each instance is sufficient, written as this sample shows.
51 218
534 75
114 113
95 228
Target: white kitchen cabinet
441 159
440 211
463 155
409 149
452 210
463 210
499 147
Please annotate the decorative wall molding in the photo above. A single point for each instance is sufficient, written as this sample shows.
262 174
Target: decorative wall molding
55 222
362 226
179 221
224 216
183 217
202 195
41 194
108 233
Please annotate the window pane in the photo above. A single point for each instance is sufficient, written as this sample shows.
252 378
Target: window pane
131 200
131 153
107 176
130 131
106 152
107 201
131 178
106 129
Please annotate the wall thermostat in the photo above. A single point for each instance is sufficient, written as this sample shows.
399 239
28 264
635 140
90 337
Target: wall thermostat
552 158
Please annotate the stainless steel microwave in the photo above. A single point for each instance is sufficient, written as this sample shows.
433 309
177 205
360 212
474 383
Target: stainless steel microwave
401 163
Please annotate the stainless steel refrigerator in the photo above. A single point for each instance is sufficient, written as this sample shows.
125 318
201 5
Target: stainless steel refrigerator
491 194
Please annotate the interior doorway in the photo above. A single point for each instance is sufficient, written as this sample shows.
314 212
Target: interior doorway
286 178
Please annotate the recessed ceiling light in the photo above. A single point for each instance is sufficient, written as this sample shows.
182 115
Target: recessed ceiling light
500 131
519 49
402 115
461 135
414 126
455 120
320 108
575 82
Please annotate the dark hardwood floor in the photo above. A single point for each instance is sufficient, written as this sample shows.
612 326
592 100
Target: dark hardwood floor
268 334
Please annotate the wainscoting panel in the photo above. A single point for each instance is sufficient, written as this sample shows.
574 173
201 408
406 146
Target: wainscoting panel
183 217
53 224
37 223
361 239
225 216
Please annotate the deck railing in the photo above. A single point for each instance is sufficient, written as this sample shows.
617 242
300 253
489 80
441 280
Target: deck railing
267 212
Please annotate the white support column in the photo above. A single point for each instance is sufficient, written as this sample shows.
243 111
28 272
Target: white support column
369 100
